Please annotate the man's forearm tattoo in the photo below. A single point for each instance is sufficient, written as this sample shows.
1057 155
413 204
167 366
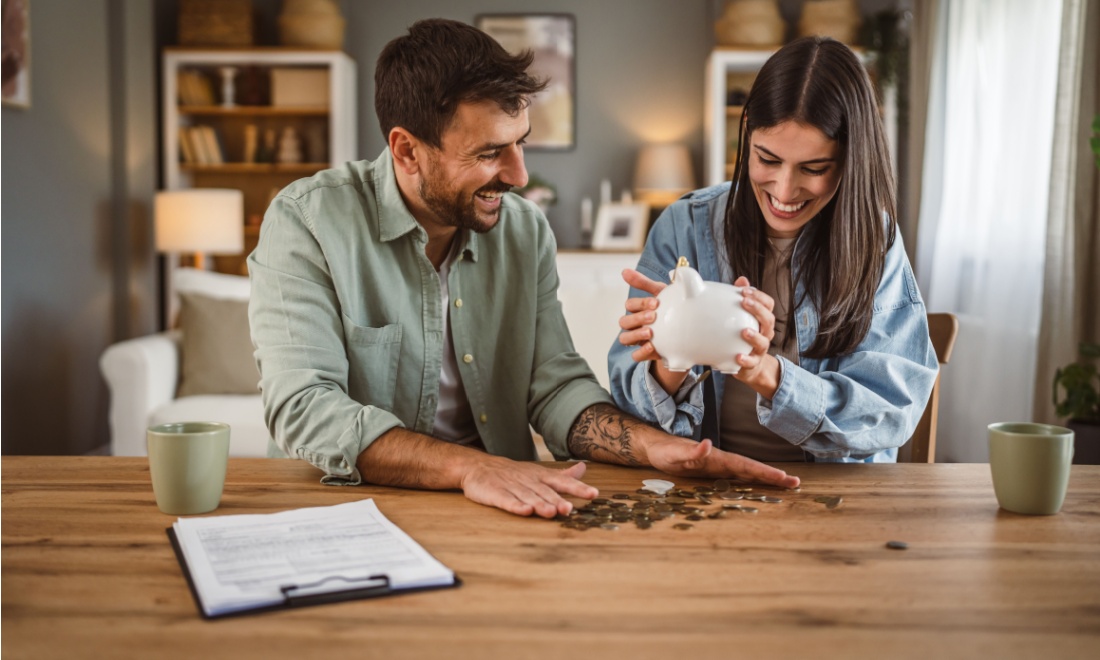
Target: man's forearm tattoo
604 433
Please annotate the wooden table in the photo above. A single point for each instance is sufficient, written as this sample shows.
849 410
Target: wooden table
88 571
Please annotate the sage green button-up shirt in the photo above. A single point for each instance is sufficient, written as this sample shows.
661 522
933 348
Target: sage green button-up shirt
346 320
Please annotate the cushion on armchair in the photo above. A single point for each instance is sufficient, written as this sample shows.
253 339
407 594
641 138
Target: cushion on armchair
216 349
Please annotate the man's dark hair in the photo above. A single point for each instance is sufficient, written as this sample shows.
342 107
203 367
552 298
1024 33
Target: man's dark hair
422 77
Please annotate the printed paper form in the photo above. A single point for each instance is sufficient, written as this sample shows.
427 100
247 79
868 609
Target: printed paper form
241 562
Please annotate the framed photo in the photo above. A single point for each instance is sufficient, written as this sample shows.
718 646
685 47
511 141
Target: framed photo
552 39
17 52
621 227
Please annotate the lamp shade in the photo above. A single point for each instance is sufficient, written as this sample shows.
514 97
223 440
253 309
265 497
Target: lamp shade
663 173
202 220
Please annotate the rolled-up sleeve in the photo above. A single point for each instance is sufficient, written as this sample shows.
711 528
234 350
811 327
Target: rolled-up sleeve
298 334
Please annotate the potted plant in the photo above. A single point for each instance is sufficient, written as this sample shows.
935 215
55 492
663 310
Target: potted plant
1077 396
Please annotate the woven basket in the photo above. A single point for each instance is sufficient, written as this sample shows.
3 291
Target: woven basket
215 23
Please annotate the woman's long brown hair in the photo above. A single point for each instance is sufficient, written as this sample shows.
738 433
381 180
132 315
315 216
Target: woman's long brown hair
819 82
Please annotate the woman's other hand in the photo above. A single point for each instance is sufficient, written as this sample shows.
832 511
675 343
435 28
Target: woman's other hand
758 369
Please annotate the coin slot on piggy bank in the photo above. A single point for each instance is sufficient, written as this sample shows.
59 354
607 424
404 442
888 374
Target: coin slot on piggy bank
700 322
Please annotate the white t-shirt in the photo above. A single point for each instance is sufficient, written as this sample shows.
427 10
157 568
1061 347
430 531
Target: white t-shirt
454 420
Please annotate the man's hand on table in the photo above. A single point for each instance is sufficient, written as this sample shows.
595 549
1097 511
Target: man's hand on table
400 457
687 458
525 488
605 433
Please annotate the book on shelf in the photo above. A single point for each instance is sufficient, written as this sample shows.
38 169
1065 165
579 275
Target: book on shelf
194 88
252 562
213 145
200 145
187 149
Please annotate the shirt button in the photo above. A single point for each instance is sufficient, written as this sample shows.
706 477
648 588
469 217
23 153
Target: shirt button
467 358
484 418
458 303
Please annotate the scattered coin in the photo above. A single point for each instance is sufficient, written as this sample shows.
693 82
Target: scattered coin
731 496
897 545
830 501
620 496
611 527
756 497
658 486
682 526
721 486
732 507
693 516
770 500
743 490
749 509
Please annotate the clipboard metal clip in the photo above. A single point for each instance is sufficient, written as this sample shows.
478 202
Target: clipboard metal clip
315 593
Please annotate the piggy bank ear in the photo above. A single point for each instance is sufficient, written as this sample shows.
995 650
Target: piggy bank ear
692 280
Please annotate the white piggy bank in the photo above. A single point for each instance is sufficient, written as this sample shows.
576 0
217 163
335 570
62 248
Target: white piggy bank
700 322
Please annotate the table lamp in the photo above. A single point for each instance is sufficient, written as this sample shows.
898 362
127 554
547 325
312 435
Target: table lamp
199 221
662 174
196 221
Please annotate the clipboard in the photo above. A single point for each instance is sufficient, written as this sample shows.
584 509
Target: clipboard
305 595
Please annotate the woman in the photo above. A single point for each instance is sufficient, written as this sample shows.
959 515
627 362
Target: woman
842 366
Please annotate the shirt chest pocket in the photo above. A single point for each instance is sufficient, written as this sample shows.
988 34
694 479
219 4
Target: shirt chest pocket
373 358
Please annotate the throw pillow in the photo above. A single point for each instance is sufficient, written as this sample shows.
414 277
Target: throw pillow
216 349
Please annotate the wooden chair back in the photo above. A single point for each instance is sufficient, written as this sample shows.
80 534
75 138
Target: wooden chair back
921 448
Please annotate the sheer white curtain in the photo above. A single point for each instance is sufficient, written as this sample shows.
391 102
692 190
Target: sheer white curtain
986 181
1071 292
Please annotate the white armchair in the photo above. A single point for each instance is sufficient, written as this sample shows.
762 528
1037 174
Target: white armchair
143 376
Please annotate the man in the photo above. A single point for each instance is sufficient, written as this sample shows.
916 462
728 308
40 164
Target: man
405 310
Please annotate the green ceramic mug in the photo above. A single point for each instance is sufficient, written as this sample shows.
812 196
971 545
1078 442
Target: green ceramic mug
187 464
1030 464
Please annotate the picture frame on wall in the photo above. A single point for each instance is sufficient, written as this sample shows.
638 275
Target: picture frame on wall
621 226
16 81
552 40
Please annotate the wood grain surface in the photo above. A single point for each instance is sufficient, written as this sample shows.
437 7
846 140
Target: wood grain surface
88 572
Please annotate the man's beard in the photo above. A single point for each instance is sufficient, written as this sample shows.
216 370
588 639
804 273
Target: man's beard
454 210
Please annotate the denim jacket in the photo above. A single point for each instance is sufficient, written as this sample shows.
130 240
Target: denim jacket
857 407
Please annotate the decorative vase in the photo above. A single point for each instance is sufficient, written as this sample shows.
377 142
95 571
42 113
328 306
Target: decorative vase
311 24
838 19
751 23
